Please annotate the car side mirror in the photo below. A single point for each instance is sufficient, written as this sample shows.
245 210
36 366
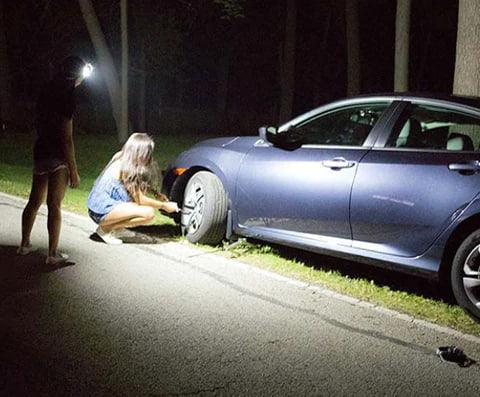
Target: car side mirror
267 132
287 139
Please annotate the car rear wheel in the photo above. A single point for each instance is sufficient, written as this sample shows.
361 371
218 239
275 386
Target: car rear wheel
204 210
465 275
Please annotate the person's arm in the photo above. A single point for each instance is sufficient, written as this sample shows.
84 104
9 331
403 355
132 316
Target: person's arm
69 150
168 206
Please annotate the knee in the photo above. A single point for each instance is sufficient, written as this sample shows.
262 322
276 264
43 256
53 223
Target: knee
54 206
34 203
148 214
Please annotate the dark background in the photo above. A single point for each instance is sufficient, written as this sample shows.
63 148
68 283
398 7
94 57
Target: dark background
184 44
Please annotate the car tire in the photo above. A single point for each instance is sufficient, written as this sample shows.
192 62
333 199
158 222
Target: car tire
204 209
465 275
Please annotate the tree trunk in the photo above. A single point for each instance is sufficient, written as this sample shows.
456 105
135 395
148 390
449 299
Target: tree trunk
467 63
142 77
4 74
402 38
287 63
353 47
124 29
106 65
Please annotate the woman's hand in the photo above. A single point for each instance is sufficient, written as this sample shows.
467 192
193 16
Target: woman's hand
161 197
167 206
170 206
74 180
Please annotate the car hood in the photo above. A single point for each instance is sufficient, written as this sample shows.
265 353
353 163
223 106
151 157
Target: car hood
237 143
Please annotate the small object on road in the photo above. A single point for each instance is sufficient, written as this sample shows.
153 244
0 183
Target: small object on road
454 354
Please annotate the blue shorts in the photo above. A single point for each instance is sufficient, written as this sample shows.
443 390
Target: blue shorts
97 218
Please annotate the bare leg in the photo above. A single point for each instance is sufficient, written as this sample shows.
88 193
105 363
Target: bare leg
127 215
37 197
57 184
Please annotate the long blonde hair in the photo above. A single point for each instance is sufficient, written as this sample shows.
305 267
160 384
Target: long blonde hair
138 171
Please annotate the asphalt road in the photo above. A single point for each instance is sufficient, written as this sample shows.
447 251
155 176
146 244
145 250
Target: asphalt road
165 319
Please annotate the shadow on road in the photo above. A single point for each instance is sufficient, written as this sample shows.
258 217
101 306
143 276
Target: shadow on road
151 234
12 263
28 368
382 277
22 272
163 232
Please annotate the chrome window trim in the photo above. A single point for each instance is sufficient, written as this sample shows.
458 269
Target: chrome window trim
335 147
334 106
423 150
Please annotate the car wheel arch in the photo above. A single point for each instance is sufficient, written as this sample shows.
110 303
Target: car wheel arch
461 232
179 185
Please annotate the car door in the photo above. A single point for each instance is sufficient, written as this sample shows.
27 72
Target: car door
306 192
417 179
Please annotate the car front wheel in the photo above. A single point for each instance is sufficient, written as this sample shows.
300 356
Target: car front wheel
465 275
204 210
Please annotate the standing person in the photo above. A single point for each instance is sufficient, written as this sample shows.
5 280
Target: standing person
118 198
54 155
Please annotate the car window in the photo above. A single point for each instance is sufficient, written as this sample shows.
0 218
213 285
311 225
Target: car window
425 127
346 127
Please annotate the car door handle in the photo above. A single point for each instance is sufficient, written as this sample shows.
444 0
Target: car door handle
337 163
473 166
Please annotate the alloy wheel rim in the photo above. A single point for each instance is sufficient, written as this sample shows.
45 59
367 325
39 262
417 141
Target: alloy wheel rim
471 276
193 205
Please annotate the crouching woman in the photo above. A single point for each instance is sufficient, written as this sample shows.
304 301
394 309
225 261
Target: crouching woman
118 198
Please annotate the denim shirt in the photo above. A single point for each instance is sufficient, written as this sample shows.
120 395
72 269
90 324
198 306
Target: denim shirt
107 192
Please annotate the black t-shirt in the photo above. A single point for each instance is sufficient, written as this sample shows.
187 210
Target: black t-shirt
55 103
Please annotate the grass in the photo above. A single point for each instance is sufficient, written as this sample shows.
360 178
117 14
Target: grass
406 294
92 153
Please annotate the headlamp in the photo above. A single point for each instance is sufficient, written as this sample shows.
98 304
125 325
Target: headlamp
87 70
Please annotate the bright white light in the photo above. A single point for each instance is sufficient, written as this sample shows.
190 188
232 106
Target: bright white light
87 70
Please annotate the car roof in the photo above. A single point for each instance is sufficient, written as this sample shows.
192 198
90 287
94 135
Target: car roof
471 101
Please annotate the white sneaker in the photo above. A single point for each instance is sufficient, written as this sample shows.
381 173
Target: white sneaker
57 259
108 238
25 250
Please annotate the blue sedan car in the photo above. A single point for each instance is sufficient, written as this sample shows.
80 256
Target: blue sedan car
391 180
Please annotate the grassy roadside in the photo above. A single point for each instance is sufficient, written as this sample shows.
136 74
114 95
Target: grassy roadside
405 294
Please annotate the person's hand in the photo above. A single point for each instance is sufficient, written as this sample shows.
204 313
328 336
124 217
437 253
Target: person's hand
74 180
170 207
161 197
